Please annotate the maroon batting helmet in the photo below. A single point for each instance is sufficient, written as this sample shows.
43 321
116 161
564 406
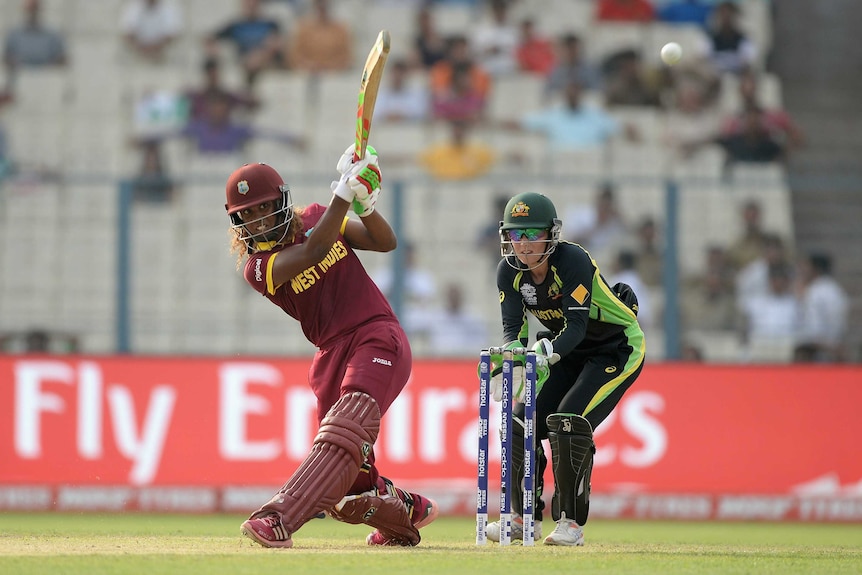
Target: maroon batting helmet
253 185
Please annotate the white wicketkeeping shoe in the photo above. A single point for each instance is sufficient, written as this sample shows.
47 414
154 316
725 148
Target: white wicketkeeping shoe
492 530
567 532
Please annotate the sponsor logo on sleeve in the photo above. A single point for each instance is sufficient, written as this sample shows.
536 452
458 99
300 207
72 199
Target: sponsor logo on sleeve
258 273
580 294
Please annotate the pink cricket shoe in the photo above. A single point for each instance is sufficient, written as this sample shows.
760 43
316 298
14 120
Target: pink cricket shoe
267 531
419 520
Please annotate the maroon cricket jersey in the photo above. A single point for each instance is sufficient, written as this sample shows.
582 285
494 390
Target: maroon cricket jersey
330 298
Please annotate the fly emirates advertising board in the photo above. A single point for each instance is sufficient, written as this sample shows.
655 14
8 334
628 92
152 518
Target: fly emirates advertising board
206 434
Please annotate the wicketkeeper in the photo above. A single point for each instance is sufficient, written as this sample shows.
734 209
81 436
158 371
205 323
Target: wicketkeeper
593 347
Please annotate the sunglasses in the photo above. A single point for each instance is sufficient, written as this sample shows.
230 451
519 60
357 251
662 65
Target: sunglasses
532 234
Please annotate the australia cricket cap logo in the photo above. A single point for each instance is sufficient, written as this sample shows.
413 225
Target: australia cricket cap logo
242 187
520 210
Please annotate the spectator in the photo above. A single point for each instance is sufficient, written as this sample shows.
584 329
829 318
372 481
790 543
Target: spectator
625 11
400 99
599 227
495 39
777 122
753 143
419 283
571 67
159 112
823 311
218 133
454 329
212 85
753 279
649 253
754 134
627 81
768 319
419 291
625 270
321 43
429 45
692 121
728 48
685 12
707 301
150 27
574 125
461 100
38 341
32 45
488 239
458 158
692 352
459 66
748 246
258 41
152 183
535 53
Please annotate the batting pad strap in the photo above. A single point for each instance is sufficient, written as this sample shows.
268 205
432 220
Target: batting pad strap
385 512
344 440
347 433
569 424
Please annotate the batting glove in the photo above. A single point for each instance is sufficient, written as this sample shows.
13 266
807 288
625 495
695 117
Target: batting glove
358 179
363 208
345 162
342 190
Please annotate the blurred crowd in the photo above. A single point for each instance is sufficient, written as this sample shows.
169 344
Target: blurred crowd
778 304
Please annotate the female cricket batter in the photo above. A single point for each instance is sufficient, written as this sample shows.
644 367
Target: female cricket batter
302 259
594 348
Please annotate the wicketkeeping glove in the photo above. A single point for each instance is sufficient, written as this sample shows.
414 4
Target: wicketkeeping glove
517 374
545 353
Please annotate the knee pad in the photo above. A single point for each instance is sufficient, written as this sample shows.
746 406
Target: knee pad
352 424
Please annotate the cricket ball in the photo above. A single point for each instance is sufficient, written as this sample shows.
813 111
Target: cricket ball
671 53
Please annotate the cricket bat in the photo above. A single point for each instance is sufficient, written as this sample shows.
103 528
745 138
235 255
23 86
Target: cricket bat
371 75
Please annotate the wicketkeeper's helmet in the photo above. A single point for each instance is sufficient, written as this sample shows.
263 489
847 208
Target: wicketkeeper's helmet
529 211
252 185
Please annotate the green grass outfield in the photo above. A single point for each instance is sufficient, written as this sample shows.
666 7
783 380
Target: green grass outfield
66 543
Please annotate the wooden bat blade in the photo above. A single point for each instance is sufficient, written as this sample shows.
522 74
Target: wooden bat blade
368 87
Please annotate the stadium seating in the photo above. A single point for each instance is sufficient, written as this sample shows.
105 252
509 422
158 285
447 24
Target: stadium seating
185 294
